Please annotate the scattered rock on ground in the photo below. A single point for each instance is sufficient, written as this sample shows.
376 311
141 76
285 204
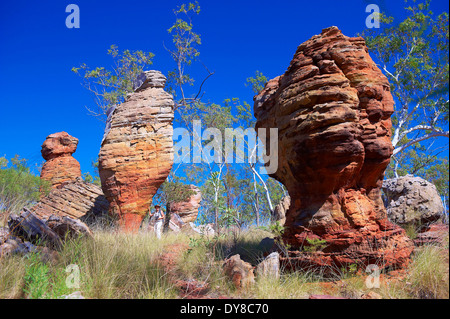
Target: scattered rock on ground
14 245
434 234
269 267
371 295
27 233
66 227
4 234
239 271
29 227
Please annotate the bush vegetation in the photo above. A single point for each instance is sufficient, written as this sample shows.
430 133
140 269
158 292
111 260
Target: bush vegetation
115 265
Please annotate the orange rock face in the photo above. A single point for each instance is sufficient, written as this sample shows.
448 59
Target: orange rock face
75 199
60 166
136 155
332 108
188 210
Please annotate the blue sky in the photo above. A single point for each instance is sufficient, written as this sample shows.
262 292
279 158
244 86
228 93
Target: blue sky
39 95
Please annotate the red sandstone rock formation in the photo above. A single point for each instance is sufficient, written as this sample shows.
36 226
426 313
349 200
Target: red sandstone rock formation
188 210
136 154
434 234
75 199
332 108
239 271
60 166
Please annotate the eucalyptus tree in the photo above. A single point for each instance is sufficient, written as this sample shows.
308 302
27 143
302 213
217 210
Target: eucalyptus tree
413 54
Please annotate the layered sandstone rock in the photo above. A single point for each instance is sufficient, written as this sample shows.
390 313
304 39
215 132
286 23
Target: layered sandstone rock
279 212
188 210
74 199
332 108
60 166
136 154
240 272
434 234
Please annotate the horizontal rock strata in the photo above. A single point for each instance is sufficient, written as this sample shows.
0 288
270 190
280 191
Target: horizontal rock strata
332 108
74 199
188 210
60 166
136 154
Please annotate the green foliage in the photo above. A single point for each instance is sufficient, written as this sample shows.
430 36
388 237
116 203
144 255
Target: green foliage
414 56
428 276
185 41
257 82
37 279
275 228
349 271
204 241
88 178
111 86
42 282
18 186
173 190
315 244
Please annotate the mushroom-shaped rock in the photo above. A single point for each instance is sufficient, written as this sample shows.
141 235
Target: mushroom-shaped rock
60 166
136 154
332 108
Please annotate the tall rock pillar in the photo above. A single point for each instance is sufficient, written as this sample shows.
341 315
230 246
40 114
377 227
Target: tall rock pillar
136 154
60 166
332 108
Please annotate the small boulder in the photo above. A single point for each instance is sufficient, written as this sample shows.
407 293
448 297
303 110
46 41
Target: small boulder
239 271
269 267
4 234
13 245
411 200
205 230
67 227
432 235
29 227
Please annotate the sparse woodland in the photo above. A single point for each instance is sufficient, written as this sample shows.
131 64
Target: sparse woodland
239 201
